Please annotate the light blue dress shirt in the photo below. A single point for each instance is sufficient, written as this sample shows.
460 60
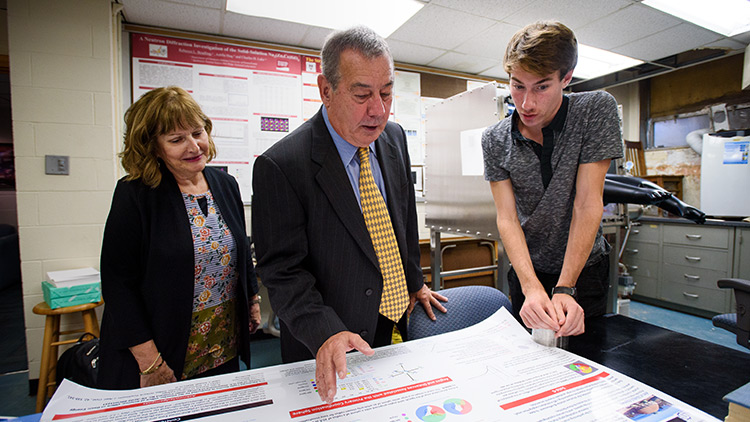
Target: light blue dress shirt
348 154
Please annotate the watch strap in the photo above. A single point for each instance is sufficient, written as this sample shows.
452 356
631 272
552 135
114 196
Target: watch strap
565 290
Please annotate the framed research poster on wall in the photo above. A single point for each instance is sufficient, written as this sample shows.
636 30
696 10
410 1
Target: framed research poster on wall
253 96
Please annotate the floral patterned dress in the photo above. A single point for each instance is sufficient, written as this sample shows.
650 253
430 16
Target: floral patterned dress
213 331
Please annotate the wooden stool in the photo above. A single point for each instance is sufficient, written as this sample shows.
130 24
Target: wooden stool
52 333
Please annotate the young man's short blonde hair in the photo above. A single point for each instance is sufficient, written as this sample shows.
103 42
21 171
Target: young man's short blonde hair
157 112
542 48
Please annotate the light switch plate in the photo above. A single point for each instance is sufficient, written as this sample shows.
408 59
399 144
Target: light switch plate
57 164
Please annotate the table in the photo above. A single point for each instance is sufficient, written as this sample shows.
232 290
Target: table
695 371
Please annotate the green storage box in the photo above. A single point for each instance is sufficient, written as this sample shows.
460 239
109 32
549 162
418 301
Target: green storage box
58 297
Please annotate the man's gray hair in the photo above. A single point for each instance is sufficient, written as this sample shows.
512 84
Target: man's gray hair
360 39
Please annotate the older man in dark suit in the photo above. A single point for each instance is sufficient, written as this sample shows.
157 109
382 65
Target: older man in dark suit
334 216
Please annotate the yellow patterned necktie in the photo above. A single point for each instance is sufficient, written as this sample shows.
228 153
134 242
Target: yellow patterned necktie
395 297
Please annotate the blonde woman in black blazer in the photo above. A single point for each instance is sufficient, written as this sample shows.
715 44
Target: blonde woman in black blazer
176 267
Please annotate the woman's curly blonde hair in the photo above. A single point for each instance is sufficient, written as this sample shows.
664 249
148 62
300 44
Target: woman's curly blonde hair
159 111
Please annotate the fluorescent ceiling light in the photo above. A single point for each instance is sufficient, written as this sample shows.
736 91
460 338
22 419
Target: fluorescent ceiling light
594 62
382 16
727 17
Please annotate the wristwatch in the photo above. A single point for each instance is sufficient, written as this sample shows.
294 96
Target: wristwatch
566 290
254 301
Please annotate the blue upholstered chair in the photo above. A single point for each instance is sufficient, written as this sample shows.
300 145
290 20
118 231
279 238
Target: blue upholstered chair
467 305
738 322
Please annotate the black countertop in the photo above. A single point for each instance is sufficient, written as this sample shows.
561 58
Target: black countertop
680 220
698 372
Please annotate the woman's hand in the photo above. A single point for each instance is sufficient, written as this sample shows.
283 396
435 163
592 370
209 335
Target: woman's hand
150 361
255 318
163 375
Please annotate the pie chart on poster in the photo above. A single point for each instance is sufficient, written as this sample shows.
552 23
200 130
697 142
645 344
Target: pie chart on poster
430 413
457 406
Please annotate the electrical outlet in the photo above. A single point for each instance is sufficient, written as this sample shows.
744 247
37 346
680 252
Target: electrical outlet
57 164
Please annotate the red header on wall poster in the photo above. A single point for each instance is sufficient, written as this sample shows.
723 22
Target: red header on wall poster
146 46
311 64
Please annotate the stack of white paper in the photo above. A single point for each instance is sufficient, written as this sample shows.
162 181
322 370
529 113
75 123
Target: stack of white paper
68 278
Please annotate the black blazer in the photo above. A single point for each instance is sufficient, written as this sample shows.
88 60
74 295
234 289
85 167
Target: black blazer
314 253
147 270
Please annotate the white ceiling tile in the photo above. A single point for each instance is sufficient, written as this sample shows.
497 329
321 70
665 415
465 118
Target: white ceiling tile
461 35
496 72
625 26
463 62
743 38
213 4
440 27
315 37
497 10
683 37
726 43
412 53
490 43
567 12
262 29
173 16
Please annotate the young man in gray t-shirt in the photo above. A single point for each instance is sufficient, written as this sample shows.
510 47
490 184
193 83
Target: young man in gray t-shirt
546 166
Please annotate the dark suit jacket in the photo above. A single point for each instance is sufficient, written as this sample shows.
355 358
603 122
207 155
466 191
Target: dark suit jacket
314 253
147 269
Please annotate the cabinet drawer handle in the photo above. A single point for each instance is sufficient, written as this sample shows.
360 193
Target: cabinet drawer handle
692 277
631 250
693 236
636 231
692 258
690 295
633 268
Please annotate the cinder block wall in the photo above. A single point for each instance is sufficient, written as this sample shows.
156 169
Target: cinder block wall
63 90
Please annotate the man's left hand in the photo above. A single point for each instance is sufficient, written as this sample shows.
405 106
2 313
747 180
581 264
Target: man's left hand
569 315
254 317
428 299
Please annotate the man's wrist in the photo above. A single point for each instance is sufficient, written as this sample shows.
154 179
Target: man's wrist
571 291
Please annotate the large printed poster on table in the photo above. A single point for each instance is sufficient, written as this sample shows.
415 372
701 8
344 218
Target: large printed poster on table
253 96
490 372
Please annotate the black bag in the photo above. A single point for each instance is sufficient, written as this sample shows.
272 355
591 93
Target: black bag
79 362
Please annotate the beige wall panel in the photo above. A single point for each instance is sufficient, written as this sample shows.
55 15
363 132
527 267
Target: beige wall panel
106 178
53 27
74 140
32 320
73 208
103 109
23 140
34 337
28 207
43 243
33 276
33 104
73 73
30 175
20 62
